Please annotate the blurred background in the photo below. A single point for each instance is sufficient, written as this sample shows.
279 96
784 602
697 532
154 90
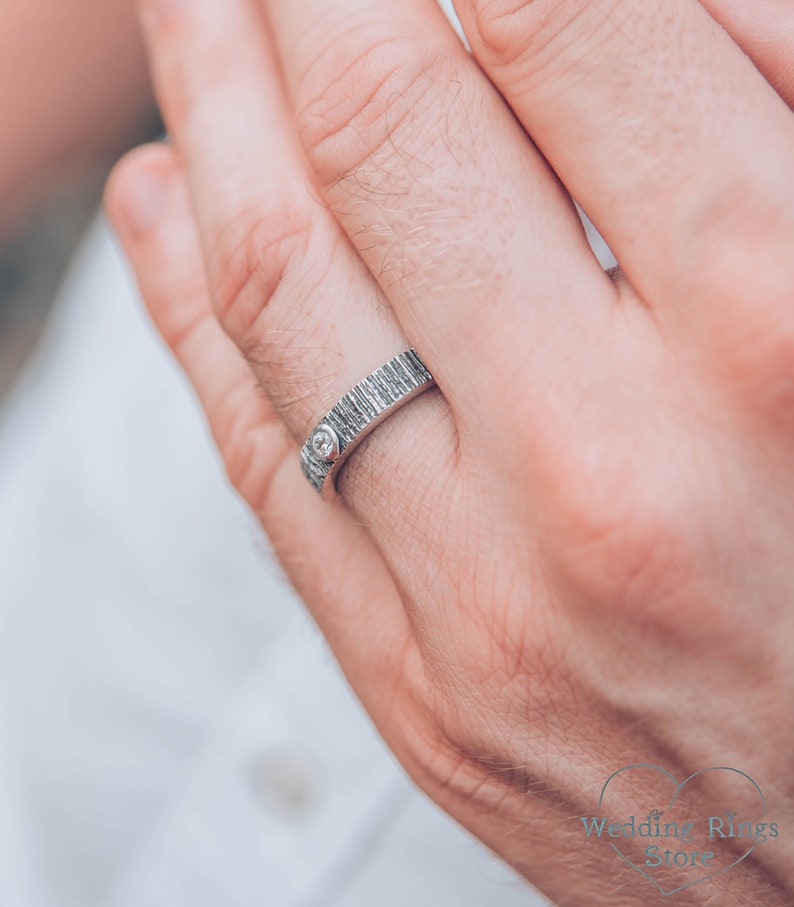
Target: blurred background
35 250
74 95
32 262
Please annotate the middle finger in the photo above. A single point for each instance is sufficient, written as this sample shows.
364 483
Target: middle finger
462 222
689 149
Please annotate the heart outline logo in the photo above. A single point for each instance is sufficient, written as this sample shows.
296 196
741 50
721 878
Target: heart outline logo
678 788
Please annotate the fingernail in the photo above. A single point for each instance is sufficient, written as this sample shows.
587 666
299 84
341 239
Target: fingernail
142 196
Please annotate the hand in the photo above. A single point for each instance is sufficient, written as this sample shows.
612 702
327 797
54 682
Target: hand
576 553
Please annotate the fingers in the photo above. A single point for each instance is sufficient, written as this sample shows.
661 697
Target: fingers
688 150
148 203
284 281
346 585
264 235
456 214
765 31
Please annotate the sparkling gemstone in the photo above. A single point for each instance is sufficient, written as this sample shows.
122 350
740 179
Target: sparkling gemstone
324 443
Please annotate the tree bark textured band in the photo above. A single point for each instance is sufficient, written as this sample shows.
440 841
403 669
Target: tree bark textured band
360 411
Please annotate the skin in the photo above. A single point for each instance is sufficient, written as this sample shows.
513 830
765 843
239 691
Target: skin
74 92
576 553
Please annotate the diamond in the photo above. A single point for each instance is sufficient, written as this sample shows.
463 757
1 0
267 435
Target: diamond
325 444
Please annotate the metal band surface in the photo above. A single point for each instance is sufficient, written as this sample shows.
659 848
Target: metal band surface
361 410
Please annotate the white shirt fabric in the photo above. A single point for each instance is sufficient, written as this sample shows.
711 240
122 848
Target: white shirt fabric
173 729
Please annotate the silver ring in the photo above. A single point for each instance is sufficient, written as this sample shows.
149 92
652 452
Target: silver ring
361 410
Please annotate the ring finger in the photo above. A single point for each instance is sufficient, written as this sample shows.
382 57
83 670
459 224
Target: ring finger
287 285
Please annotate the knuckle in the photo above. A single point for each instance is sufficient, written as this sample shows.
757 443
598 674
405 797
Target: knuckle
495 23
238 454
746 284
357 92
243 469
622 541
253 257
755 358
445 751
507 31
435 759
477 759
455 774
245 441
437 764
